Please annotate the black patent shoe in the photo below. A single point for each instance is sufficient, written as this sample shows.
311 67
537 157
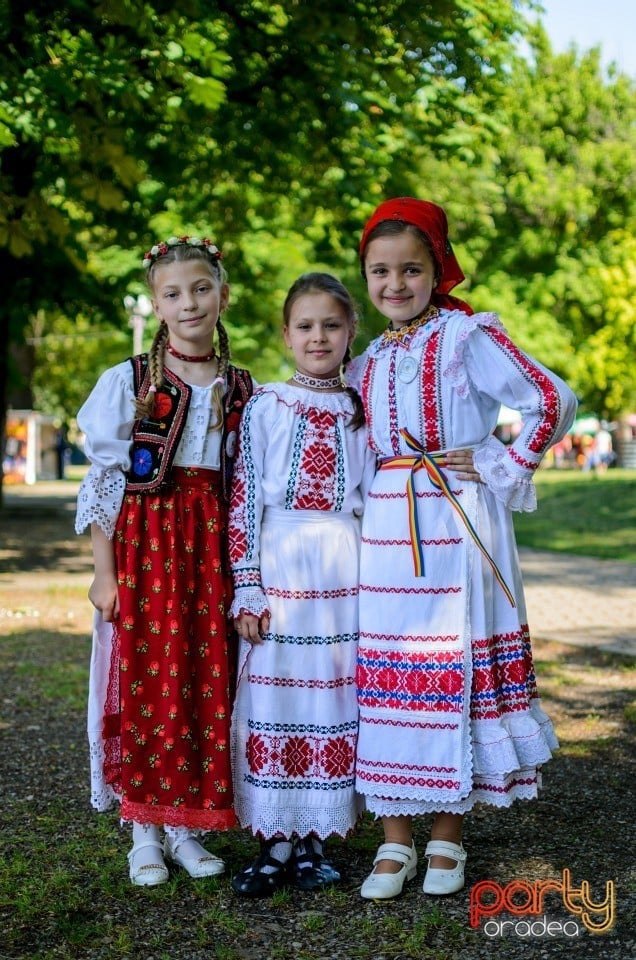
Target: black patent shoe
309 868
253 882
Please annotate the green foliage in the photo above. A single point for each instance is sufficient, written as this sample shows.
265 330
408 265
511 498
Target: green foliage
561 253
253 121
276 127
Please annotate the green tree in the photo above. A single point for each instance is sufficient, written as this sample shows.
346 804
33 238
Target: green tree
560 249
117 121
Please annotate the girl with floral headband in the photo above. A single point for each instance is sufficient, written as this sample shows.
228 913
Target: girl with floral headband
449 713
161 431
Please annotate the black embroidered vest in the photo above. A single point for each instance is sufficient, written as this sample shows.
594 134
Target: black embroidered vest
155 441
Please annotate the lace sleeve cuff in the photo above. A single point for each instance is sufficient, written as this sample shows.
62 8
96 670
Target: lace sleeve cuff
249 600
517 493
99 500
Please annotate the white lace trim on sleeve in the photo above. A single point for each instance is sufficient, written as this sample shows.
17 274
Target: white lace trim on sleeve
491 461
249 600
99 500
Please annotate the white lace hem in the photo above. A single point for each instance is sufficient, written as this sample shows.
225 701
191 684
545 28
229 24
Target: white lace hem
103 797
524 785
508 754
515 492
518 742
249 600
99 499
268 822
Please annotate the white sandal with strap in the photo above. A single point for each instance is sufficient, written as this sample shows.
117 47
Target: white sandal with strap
147 874
200 864
439 881
385 886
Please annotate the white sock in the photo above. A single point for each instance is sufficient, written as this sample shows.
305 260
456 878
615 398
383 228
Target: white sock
184 840
304 849
281 851
147 856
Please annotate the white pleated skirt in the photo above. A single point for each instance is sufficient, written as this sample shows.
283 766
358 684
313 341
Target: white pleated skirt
449 712
295 719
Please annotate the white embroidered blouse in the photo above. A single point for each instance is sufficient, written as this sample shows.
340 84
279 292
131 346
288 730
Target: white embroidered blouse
296 452
444 381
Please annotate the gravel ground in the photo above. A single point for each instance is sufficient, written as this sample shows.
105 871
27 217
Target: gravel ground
583 821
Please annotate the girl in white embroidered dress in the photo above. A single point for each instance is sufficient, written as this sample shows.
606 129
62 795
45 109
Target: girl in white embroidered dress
449 713
301 476
157 427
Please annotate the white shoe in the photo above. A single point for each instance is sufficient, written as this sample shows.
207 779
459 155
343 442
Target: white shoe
202 864
438 880
149 874
384 886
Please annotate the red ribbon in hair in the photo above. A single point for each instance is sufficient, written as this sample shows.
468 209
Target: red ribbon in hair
431 220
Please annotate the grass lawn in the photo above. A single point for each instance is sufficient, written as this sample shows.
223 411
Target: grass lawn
582 514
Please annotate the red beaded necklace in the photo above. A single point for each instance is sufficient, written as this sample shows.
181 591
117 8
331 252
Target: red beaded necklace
187 358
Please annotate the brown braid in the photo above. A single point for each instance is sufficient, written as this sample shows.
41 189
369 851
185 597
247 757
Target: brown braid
144 408
218 388
358 419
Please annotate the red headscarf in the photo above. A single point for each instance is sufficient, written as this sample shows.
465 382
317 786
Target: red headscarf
431 220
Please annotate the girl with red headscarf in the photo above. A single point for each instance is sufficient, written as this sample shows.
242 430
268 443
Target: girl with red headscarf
449 713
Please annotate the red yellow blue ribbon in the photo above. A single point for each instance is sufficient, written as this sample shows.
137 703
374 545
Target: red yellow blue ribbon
428 462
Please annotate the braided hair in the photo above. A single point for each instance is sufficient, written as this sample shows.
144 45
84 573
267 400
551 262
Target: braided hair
327 283
179 250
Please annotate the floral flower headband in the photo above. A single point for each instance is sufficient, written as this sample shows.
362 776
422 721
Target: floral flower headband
161 249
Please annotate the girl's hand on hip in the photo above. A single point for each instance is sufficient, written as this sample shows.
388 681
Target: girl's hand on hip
461 463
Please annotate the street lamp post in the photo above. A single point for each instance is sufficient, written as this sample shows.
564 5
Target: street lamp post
139 308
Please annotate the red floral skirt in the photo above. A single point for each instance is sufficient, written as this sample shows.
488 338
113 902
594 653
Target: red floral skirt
167 717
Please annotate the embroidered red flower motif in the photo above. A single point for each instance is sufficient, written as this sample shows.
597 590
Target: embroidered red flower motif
516 671
296 757
256 752
417 682
238 542
337 757
319 460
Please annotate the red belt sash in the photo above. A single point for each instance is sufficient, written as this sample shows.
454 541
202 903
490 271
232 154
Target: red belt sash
429 462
